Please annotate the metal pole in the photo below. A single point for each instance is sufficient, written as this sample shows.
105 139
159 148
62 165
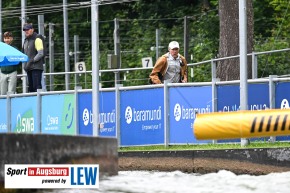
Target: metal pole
41 24
186 38
51 56
117 49
41 31
76 56
1 21
117 107
272 98
95 65
66 44
157 43
166 114
254 66
243 60
23 21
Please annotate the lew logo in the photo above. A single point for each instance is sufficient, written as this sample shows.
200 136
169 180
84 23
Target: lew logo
128 115
284 104
39 176
177 112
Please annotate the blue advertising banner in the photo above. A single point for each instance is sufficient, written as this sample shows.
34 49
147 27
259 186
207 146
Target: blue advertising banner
58 118
3 116
23 115
107 114
229 99
142 121
185 102
282 102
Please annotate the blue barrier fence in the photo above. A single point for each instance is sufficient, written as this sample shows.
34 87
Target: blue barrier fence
143 111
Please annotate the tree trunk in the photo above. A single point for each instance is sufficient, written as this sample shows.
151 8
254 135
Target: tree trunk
229 39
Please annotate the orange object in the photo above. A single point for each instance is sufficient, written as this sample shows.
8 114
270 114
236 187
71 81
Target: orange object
242 124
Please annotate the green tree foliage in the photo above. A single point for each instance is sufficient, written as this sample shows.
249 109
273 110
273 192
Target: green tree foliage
274 36
138 23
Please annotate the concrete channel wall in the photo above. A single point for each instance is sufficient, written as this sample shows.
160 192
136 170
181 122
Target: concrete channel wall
58 149
256 161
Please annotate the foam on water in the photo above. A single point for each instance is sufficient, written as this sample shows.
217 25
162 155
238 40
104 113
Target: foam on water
178 182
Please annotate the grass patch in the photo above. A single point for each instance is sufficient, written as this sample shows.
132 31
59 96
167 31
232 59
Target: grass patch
257 144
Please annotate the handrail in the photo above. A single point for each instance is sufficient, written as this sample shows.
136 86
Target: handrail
211 61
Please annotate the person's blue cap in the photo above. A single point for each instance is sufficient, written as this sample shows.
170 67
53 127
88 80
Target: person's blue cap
27 26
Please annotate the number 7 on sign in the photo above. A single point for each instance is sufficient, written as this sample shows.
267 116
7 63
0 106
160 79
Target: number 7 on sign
147 62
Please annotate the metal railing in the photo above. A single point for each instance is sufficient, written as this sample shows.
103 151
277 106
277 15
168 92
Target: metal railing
213 62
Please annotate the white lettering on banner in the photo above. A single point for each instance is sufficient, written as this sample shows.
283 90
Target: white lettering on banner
52 123
51 120
147 115
49 171
251 107
110 129
142 115
258 107
284 104
109 117
3 126
24 125
188 113
151 127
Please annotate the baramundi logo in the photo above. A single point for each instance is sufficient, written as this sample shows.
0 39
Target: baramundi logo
184 113
284 104
128 115
143 115
86 116
177 112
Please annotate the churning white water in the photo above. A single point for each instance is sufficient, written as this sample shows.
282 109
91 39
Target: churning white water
179 182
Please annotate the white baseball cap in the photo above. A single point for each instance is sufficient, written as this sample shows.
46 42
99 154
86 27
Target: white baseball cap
173 44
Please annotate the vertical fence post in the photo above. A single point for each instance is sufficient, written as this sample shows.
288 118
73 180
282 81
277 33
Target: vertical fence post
214 98
38 110
76 57
41 31
118 110
117 49
213 69
166 114
254 66
243 60
51 56
186 38
23 20
272 98
76 115
1 39
157 43
66 45
8 112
